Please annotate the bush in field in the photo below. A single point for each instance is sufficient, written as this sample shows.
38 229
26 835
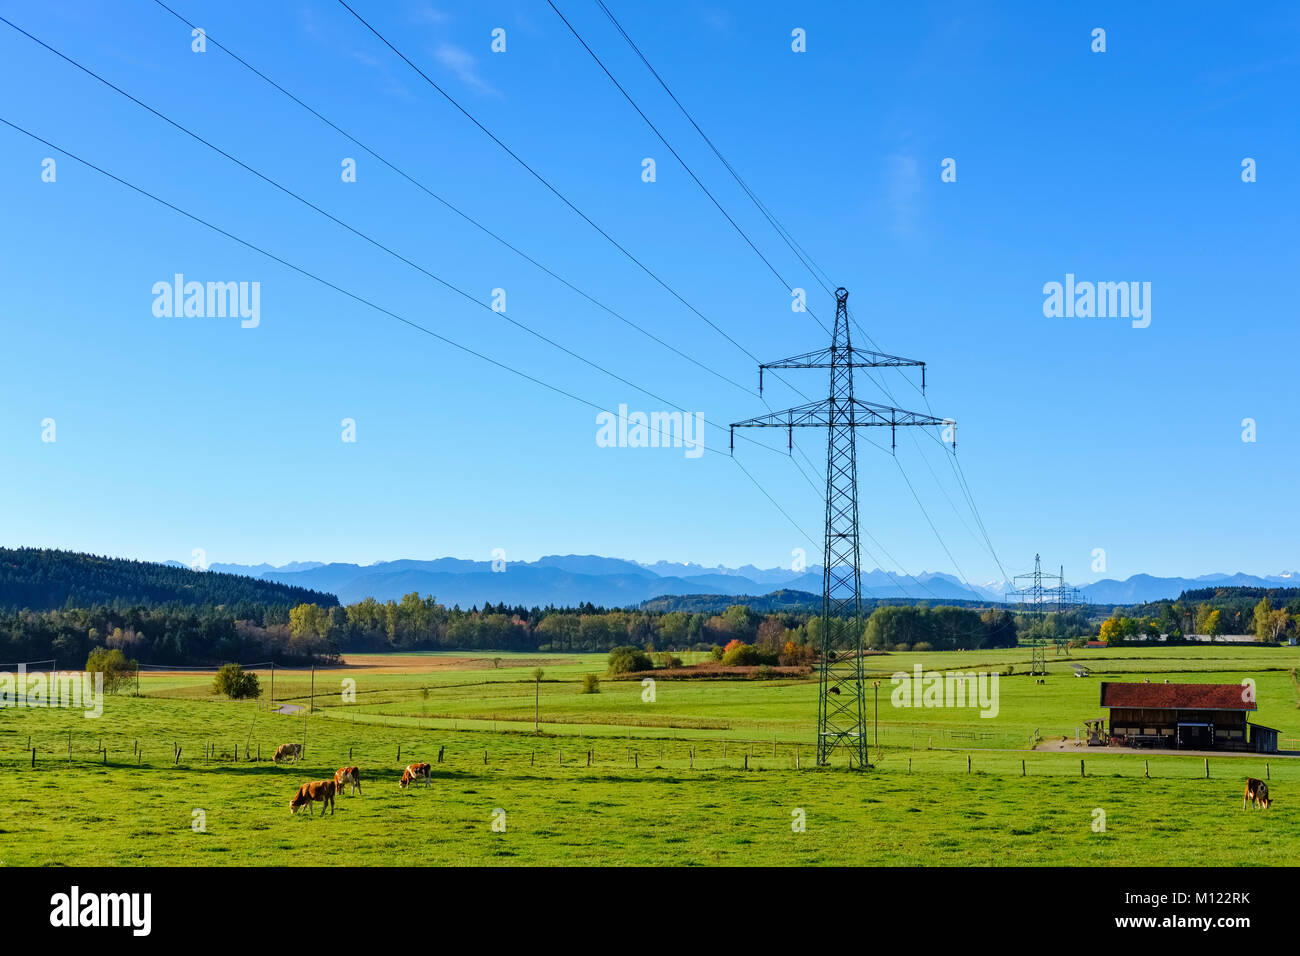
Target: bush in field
922 646
715 652
231 681
738 654
623 660
117 670
591 684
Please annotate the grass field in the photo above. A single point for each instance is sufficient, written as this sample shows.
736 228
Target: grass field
703 774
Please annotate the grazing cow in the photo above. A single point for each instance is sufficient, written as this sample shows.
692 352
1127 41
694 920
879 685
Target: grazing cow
1256 794
308 793
345 776
414 772
288 752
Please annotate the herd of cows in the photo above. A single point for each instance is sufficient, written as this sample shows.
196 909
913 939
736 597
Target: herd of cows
324 791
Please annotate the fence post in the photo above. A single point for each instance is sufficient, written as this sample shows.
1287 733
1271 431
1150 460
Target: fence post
1022 768
33 757
1207 768
1147 772
909 764
1081 773
968 763
1266 773
746 761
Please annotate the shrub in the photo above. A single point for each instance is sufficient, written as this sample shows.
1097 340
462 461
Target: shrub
765 672
715 652
922 646
234 683
591 684
739 654
117 670
623 660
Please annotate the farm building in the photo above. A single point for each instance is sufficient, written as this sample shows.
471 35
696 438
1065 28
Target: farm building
1184 717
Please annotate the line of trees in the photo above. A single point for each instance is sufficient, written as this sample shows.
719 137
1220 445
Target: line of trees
1226 613
309 632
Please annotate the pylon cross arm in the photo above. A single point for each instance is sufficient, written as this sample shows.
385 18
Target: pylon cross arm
839 413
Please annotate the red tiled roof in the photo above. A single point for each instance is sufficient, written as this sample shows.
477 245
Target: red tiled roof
1176 696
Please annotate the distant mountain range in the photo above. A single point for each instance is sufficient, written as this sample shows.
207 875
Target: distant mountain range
613 582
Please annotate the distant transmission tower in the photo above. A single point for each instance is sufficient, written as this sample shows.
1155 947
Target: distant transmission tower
1036 597
842 709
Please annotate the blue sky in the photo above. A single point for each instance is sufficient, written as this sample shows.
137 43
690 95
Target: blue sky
1074 433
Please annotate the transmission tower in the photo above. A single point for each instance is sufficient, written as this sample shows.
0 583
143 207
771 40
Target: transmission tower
1035 597
842 709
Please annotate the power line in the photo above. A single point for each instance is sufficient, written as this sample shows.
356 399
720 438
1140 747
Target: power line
458 211
803 257
818 274
320 279
676 155
545 182
445 283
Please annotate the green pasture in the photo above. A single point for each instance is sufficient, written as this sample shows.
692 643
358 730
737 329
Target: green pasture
703 774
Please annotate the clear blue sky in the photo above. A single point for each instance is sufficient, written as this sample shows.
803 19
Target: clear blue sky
1075 433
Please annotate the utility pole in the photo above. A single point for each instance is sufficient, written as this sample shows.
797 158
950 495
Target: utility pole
876 722
1035 596
841 709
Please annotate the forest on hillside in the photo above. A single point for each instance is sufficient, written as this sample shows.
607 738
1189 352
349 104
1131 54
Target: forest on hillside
41 579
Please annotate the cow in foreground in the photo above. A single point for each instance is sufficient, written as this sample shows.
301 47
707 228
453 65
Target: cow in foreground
346 777
415 772
288 752
309 793
1256 794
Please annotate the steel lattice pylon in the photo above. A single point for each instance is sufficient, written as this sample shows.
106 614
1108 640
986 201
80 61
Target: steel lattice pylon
842 711
1036 597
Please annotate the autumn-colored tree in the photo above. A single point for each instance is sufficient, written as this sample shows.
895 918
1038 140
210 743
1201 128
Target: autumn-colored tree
1112 630
1214 624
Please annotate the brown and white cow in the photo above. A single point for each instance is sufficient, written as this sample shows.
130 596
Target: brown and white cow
308 793
345 776
1256 794
415 772
288 752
